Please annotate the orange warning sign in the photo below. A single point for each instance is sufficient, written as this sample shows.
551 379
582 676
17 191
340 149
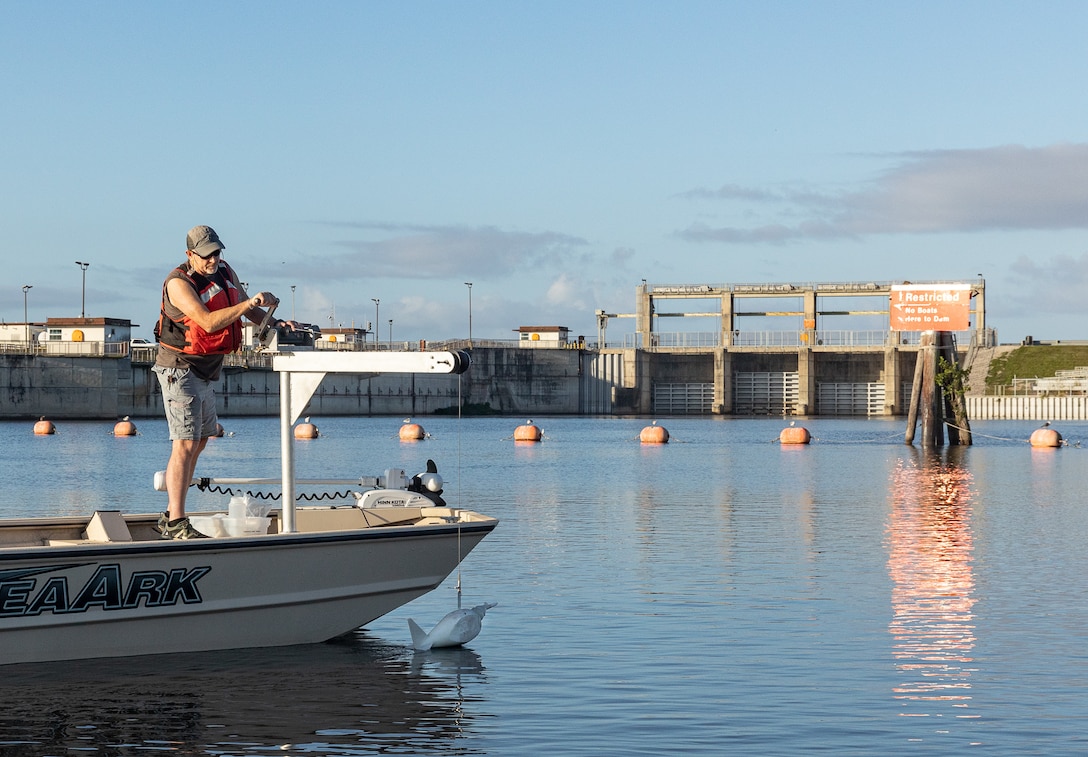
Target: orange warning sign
930 307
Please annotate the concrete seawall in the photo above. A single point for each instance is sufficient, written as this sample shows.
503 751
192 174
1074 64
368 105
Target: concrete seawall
510 381
516 381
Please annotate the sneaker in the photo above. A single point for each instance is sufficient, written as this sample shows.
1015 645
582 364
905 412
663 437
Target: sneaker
177 529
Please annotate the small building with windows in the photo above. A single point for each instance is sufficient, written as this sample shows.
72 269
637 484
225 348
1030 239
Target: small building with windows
86 336
554 337
340 338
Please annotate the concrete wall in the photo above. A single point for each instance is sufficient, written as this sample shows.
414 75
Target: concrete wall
511 381
520 382
64 387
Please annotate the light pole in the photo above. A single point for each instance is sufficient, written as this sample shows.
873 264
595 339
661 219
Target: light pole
390 333
469 285
26 318
292 302
83 306
377 321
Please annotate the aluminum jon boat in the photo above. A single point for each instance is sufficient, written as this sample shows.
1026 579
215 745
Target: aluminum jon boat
107 585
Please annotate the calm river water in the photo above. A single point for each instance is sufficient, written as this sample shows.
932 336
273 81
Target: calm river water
721 594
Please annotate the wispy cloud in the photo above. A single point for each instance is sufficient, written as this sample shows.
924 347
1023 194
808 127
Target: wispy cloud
1000 188
1053 286
385 250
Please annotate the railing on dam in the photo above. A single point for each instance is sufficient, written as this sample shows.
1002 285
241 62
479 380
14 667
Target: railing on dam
1071 408
798 339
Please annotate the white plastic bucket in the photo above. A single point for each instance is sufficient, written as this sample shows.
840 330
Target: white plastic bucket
246 526
210 525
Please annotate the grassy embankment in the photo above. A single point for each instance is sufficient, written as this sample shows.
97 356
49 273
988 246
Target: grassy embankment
1035 361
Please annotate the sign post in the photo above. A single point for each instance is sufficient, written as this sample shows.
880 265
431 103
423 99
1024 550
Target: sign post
935 310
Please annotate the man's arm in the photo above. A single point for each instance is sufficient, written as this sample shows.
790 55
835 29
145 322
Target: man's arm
184 298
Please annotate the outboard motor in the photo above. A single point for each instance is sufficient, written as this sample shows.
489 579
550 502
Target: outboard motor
429 484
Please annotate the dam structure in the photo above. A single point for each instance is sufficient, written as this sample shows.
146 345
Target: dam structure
775 349
731 349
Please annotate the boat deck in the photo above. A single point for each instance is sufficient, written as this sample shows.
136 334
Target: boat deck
114 527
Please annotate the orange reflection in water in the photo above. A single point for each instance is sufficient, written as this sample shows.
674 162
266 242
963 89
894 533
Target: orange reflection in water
929 561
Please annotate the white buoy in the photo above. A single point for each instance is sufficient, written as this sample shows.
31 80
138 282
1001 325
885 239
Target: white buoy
457 628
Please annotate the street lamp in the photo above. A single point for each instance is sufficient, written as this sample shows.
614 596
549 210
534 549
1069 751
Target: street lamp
26 319
390 333
377 320
292 302
469 285
83 307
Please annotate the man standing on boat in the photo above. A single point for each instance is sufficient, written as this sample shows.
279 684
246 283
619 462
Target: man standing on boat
203 304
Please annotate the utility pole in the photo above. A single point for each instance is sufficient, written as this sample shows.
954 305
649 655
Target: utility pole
469 285
377 321
26 318
83 306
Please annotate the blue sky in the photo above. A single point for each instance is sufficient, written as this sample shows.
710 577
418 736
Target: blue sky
553 154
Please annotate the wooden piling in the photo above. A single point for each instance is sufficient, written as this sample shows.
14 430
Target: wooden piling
934 403
915 397
930 403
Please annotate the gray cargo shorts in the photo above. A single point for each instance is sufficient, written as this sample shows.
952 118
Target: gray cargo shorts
189 402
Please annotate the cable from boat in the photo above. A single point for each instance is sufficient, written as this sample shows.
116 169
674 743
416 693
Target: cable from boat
460 417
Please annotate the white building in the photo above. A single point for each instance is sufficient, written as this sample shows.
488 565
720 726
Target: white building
552 337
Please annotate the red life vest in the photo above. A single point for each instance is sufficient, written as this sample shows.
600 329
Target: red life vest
183 334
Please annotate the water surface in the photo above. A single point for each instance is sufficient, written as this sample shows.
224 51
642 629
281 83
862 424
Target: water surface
721 594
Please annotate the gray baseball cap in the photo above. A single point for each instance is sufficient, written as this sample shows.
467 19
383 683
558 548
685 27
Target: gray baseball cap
203 241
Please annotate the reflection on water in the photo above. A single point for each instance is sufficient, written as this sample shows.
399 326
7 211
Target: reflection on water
929 561
717 595
348 696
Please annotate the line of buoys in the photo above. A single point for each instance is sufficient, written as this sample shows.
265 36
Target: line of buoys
124 427
43 427
793 434
411 432
654 434
306 430
1045 437
528 432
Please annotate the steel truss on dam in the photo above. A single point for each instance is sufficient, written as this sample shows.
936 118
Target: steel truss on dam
777 349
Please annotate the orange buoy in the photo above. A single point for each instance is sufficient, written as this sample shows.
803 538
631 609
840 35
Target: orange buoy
654 434
411 432
528 432
124 427
795 435
306 430
44 427
1045 437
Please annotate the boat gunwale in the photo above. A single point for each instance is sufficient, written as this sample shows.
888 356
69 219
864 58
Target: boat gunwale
23 552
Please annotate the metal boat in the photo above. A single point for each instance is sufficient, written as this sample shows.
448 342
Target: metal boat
107 585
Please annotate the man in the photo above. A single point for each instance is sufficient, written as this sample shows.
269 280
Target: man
203 304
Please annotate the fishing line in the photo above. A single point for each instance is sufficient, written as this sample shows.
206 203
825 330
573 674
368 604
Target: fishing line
460 405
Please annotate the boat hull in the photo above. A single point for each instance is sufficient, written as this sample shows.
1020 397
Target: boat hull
89 599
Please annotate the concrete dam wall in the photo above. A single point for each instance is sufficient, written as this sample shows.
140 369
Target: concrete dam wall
503 380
